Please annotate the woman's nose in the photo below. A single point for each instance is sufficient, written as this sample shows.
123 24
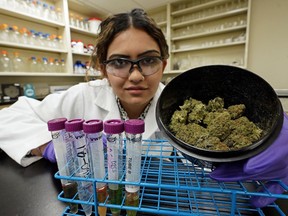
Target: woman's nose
135 74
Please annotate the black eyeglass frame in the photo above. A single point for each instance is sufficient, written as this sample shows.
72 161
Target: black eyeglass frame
134 62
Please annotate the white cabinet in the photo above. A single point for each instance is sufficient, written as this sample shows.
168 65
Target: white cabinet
202 32
41 35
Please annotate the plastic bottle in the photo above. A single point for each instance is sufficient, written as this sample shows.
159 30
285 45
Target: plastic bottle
45 11
51 65
79 47
93 132
18 65
34 65
41 39
59 42
133 131
32 38
64 156
114 133
73 44
5 62
24 36
53 14
59 14
74 129
39 8
44 65
14 35
78 69
4 32
71 19
94 24
57 65
62 66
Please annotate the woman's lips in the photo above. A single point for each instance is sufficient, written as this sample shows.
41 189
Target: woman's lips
135 89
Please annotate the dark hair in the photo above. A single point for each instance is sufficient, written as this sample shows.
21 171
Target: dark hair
115 24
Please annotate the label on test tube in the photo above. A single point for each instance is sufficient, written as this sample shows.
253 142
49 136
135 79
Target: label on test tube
113 129
133 130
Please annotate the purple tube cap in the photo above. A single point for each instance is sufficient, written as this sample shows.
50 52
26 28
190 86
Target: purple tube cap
113 126
56 124
93 126
74 125
134 126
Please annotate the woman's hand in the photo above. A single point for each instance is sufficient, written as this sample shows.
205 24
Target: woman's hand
46 151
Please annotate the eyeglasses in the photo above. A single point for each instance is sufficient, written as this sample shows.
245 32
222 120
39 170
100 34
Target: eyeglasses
122 67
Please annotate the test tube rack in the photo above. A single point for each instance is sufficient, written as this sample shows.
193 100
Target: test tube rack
171 185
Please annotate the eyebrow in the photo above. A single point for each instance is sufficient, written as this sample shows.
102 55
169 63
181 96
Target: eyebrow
139 55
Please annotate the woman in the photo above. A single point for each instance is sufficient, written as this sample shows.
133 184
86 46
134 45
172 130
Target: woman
131 52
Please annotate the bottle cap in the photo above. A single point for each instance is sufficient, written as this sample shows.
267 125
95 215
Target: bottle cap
93 126
134 126
74 125
56 124
114 126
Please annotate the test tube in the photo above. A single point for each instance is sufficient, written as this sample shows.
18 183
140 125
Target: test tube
114 129
74 129
93 131
64 157
133 131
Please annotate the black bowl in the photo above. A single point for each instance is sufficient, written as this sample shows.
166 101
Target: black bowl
236 86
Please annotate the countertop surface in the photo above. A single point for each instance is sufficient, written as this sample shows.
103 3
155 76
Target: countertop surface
29 191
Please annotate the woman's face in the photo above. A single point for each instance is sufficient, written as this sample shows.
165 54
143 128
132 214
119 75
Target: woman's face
134 91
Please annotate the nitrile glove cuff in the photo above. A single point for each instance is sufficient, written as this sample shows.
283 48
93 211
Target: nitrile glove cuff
49 152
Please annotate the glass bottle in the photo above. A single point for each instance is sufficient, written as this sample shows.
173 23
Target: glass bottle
24 36
59 14
5 63
53 14
34 64
56 65
51 65
133 131
14 35
44 65
114 129
4 32
62 66
18 64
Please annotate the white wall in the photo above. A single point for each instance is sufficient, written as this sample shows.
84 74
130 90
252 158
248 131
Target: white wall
268 41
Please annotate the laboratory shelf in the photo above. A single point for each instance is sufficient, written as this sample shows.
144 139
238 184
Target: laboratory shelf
171 185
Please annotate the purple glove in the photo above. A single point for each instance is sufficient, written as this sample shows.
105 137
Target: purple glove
49 152
271 164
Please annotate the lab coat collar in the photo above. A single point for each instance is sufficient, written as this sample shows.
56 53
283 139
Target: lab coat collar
106 99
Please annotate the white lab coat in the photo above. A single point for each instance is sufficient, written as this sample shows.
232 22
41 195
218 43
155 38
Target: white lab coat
23 125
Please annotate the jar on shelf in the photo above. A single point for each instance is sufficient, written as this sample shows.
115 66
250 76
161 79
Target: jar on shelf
94 24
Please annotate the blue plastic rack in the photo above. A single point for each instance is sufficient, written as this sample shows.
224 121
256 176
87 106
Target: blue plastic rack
171 185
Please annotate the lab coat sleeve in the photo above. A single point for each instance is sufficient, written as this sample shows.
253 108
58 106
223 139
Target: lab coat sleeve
24 124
